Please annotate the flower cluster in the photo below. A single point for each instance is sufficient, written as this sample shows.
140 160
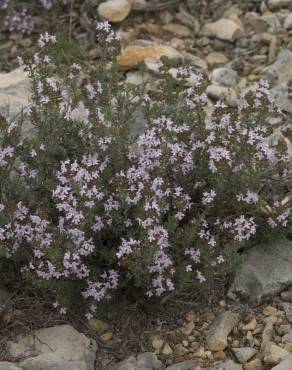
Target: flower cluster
93 205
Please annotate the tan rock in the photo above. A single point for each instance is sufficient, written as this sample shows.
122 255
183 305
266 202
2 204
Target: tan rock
284 365
106 337
216 59
250 326
115 10
167 350
98 325
178 29
275 354
219 356
157 343
267 336
270 311
255 364
220 329
132 56
223 29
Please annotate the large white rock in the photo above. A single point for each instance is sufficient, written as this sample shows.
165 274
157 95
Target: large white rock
115 10
284 365
143 361
8 366
56 348
15 91
224 77
223 29
266 272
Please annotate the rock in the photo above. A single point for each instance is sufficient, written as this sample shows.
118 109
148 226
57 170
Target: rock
272 22
216 59
287 296
280 71
288 311
275 354
220 329
266 271
178 29
221 92
223 29
255 364
284 365
132 56
244 354
250 326
224 77
157 343
267 336
228 365
106 337
288 337
8 366
283 329
288 22
187 365
115 10
144 361
98 325
167 350
188 20
278 4
15 90
56 348
270 311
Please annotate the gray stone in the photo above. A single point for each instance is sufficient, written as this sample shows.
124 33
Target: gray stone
222 93
288 22
288 311
228 365
188 20
186 365
288 337
220 329
9 366
224 77
244 354
266 272
272 21
280 71
275 354
278 4
56 348
284 365
287 296
223 29
144 361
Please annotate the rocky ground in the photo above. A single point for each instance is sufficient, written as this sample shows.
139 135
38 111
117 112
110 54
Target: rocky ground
235 44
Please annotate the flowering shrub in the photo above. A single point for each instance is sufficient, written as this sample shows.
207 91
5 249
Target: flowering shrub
87 204
19 14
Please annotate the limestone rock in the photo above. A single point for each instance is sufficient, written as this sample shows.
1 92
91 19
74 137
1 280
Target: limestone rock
186 365
132 56
9 366
228 365
288 311
144 361
255 364
216 59
178 29
266 272
56 348
223 29
288 22
222 93
224 77
115 10
284 365
275 354
287 296
278 4
219 330
244 354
